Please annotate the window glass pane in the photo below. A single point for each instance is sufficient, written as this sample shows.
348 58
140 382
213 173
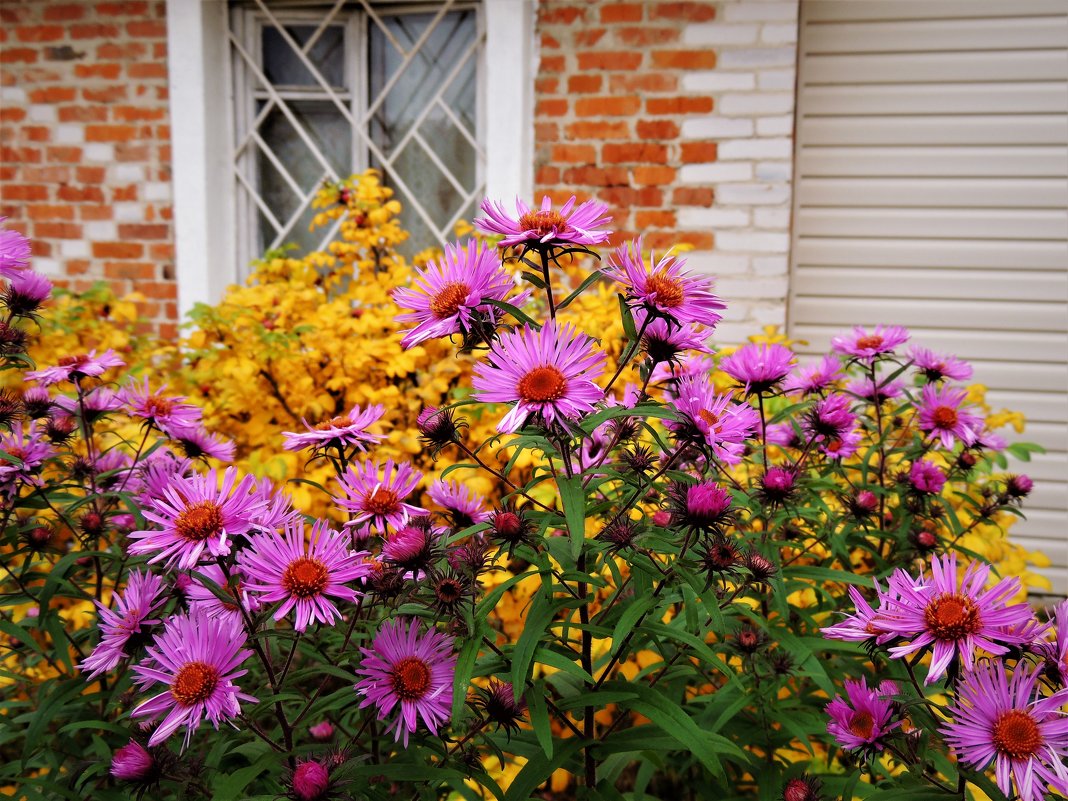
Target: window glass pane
283 67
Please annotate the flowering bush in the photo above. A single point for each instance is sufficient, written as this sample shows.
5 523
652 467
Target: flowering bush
599 567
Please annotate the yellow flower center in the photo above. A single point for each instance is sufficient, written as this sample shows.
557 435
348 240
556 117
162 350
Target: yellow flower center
945 417
449 300
542 384
198 522
195 682
543 222
382 501
668 291
1016 734
871 342
410 678
951 617
305 577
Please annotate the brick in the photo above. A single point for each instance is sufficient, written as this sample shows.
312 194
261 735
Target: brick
634 152
654 219
118 250
684 59
18 55
757 149
559 14
643 37
698 152
36 133
574 154
547 85
679 105
626 197
662 240
597 176
716 128
11 115
121 193
110 133
761 12
129 270
40 33
609 129
25 192
51 174
57 230
126 51
159 290
53 94
690 217
621 12
609 60
82 114
754 241
96 213
94 31
584 84
653 176
552 64
549 42
80 194
607 106
753 194
107 94
551 107
546 174
546 132
141 231
657 129
643 82
147 71
128 9
148 29
65 154
108 71
132 151
692 196
589 37
751 57
696 11
20 155
66 12
161 251
137 114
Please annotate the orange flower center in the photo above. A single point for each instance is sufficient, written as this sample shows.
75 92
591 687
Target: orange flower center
17 452
543 222
382 501
1017 734
449 300
410 678
157 406
870 342
709 418
198 522
668 291
334 422
195 682
67 361
542 384
862 724
951 617
945 417
305 578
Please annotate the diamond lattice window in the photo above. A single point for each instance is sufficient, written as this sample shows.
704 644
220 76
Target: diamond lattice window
321 91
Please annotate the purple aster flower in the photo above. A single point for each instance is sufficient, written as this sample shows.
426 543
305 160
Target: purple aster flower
374 497
450 296
196 443
941 417
927 477
811 378
1009 722
573 224
859 626
696 366
549 372
840 447
1019 486
830 417
1055 652
411 672
862 721
197 659
96 403
305 577
777 484
665 341
14 252
865 389
133 763
338 432
71 368
665 288
171 415
26 292
197 516
143 597
465 505
155 473
203 600
713 420
37 402
26 444
936 367
784 435
277 510
956 615
758 367
867 347
703 506
323 730
310 781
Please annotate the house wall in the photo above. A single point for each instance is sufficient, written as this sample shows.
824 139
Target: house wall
85 145
679 115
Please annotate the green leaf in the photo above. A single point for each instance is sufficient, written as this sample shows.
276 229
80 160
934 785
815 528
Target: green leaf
581 288
539 616
573 496
516 312
539 718
465 665
540 768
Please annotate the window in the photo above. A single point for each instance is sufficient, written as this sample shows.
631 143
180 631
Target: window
359 91
323 91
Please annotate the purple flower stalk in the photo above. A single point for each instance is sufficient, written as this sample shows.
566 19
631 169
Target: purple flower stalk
572 224
410 672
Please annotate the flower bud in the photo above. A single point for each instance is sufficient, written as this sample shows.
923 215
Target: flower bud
133 763
1019 486
321 731
802 788
310 781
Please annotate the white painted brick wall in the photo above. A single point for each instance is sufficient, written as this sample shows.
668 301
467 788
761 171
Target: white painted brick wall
753 91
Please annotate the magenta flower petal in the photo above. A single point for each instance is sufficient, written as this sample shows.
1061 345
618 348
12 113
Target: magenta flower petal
374 496
573 224
338 432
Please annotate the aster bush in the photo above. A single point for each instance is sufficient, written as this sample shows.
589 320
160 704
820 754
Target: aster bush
530 555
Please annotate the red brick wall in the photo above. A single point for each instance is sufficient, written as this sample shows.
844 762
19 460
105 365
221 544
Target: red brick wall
610 108
85 144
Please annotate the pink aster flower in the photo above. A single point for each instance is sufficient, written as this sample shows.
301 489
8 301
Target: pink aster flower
197 516
197 443
411 672
374 496
171 415
927 477
1009 722
573 224
936 367
74 367
864 720
14 252
812 378
276 511
450 296
465 505
202 599
842 446
867 347
549 372
155 473
26 292
867 390
197 659
133 763
665 341
704 505
758 367
144 596
955 615
1055 652
665 288
699 365
338 432
306 577
941 417
830 417
28 446
714 420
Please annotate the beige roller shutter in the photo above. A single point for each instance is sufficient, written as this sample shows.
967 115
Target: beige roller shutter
932 191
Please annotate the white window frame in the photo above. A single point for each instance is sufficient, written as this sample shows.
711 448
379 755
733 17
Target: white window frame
202 102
